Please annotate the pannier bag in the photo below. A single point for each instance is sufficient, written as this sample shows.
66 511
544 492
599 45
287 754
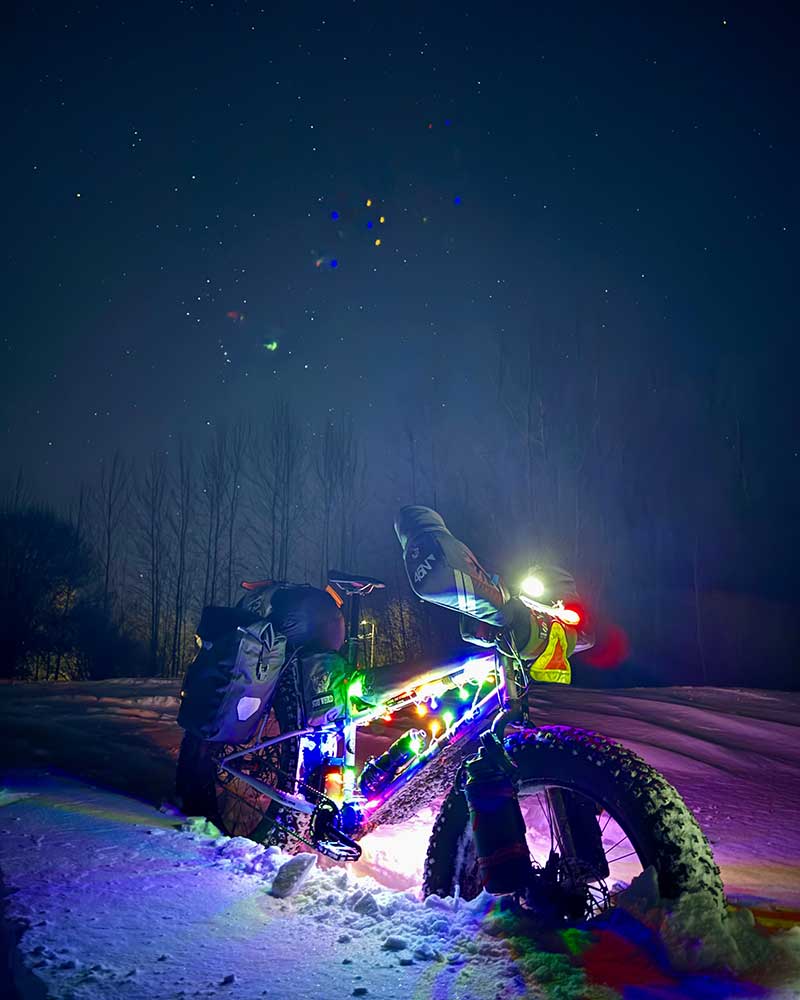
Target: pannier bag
232 678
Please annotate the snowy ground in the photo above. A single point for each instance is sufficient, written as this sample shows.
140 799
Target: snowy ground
116 900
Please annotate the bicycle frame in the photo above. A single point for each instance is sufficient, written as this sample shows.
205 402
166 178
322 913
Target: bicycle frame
334 745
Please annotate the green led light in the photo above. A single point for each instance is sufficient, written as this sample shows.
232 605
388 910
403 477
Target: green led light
464 694
448 719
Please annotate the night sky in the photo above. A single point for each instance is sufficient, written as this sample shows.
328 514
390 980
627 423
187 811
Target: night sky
188 185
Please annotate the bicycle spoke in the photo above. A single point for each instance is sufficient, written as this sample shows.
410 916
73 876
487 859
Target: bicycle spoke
613 861
574 876
607 851
240 806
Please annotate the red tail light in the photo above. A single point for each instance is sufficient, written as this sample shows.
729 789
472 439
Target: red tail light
573 614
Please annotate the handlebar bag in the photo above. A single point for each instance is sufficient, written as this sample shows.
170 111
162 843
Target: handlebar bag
442 570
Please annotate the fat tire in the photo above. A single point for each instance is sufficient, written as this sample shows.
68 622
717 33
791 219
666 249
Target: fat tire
658 822
196 773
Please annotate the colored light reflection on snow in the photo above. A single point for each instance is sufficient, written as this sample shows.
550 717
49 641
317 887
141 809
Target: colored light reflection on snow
394 854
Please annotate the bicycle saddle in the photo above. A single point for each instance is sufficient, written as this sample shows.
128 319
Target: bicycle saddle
350 584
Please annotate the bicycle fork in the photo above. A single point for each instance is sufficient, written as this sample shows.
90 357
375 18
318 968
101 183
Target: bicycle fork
498 827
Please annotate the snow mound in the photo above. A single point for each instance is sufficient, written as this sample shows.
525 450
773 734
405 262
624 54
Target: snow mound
111 898
682 938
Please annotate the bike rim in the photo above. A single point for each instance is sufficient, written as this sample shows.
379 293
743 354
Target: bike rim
544 835
240 807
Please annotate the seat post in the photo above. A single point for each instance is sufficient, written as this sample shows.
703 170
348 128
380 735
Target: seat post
354 587
355 626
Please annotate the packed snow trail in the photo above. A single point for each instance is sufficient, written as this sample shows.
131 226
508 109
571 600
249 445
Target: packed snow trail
114 899
119 902
734 755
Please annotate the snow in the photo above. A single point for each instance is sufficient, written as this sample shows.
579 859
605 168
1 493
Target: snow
116 898
120 901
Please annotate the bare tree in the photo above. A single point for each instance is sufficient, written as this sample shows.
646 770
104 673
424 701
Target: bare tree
112 500
152 497
278 457
67 600
181 512
215 469
237 453
341 476
326 474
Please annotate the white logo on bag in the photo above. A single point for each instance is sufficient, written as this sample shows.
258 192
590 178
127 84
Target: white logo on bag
247 707
424 568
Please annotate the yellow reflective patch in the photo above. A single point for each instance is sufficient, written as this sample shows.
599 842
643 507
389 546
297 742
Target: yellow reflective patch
552 665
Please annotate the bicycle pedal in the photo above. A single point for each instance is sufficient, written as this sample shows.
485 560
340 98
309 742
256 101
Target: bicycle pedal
339 850
326 836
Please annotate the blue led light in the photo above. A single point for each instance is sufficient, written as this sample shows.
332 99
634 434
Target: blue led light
334 263
369 225
334 214
457 200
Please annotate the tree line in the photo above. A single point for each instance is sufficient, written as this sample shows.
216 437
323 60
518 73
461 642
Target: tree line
644 478
114 586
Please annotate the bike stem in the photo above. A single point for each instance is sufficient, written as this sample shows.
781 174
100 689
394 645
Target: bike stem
515 707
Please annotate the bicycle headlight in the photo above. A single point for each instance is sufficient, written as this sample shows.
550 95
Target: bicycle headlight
532 586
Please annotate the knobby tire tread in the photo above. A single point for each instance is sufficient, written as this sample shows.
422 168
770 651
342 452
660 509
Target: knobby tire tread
658 822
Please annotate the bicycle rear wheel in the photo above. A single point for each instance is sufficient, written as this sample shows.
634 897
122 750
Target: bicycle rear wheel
207 789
